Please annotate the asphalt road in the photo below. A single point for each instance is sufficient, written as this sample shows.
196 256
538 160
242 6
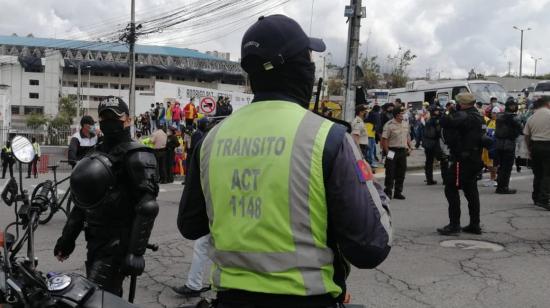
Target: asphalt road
419 272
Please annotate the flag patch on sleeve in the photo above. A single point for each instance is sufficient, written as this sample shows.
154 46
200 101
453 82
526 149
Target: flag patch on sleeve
364 172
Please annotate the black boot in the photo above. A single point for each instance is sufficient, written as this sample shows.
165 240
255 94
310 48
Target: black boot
505 191
388 193
449 230
431 182
398 196
472 228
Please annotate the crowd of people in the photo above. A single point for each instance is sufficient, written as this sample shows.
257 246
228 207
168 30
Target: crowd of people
175 115
466 133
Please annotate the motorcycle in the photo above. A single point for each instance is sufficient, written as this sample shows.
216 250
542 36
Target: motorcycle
21 283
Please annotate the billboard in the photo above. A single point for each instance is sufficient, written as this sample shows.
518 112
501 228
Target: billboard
165 92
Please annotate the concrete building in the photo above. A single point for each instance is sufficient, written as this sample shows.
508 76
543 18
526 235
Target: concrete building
220 55
38 72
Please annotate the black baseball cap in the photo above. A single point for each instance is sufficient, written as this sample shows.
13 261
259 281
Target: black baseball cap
274 39
87 120
114 104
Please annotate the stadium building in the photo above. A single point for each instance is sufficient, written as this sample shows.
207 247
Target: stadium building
36 72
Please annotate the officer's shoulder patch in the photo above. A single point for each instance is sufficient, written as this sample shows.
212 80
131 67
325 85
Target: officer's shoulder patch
363 171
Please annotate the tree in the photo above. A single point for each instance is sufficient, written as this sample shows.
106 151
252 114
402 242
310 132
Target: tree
371 71
35 120
401 61
67 111
335 86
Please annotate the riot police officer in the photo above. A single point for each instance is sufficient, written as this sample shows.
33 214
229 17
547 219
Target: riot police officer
432 147
463 131
508 129
114 188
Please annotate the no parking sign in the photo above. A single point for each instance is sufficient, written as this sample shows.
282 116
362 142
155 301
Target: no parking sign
207 106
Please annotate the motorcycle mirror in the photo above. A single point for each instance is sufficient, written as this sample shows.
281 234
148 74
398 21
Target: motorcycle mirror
22 149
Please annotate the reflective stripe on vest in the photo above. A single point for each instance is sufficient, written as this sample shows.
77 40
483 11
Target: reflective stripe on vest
301 212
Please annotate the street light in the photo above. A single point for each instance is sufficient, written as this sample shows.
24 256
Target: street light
88 98
536 60
521 48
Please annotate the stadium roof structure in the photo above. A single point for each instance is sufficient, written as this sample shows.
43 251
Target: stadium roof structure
102 46
114 52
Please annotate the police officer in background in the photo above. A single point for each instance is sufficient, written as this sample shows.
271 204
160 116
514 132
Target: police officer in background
396 142
82 141
114 188
537 137
292 200
508 128
432 147
463 131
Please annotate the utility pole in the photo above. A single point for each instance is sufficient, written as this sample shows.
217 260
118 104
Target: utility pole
354 12
536 61
521 49
132 60
78 92
509 68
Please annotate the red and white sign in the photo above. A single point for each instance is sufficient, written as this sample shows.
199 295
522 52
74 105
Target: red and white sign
207 106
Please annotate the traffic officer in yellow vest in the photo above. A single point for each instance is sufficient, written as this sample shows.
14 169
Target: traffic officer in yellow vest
285 194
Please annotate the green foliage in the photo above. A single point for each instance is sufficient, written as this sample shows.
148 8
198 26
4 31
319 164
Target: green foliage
371 71
401 61
36 120
335 87
67 106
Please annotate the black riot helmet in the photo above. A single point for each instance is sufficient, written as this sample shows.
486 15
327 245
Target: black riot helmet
511 105
92 181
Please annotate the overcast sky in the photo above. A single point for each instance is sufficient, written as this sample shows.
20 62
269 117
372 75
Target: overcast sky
448 36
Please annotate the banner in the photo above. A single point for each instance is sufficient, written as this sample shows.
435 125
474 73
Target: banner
165 92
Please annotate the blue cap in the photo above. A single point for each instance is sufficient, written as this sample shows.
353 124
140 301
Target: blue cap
274 39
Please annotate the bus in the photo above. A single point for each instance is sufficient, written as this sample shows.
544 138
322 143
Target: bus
419 91
378 96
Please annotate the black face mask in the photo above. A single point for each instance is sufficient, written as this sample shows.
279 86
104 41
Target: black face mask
111 127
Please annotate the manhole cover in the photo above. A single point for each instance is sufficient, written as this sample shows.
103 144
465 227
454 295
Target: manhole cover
472 245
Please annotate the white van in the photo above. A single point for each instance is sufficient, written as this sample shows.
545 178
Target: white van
541 88
419 91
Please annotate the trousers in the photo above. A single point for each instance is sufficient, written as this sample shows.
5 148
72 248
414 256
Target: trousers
432 155
541 169
5 165
372 151
198 264
505 161
462 175
33 167
395 171
160 154
103 262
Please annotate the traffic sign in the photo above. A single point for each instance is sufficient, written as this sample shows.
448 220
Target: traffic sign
207 106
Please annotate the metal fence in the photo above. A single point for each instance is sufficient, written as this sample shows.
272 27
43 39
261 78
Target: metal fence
44 136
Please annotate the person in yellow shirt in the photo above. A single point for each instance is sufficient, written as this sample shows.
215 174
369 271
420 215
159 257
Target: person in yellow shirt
488 154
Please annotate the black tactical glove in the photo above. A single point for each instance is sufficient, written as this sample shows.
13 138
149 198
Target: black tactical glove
133 265
63 248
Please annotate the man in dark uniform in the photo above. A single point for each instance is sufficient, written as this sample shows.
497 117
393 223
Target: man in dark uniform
463 130
7 159
432 147
508 128
114 188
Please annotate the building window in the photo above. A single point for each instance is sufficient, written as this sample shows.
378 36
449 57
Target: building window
160 77
34 82
140 76
33 95
98 74
33 109
34 69
15 110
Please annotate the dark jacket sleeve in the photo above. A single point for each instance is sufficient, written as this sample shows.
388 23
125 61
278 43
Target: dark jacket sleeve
73 148
358 211
192 217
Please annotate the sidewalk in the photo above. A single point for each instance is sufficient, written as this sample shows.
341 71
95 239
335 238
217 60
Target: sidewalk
415 161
